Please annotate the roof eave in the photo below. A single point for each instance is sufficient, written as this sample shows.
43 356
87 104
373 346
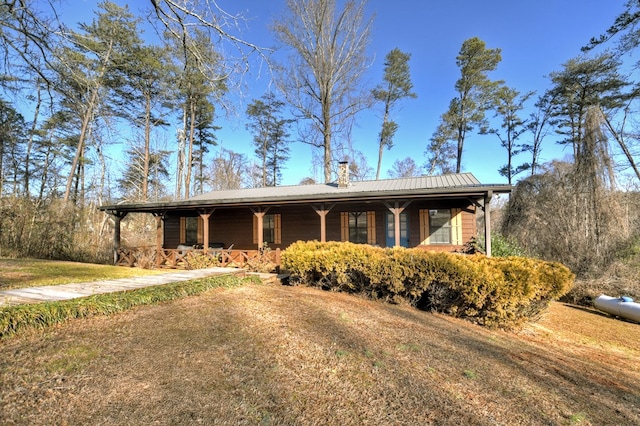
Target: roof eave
471 192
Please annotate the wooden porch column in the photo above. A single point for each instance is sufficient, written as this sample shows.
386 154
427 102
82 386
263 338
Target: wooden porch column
487 223
205 228
397 210
322 212
260 225
159 238
117 218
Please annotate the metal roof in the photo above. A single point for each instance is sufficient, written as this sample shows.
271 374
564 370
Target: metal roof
450 185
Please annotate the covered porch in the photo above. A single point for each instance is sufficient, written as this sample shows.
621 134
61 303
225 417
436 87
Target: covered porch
242 226
203 254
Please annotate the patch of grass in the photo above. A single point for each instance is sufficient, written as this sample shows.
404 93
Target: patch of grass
340 353
469 374
578 418
20 273
72 359
41 315
411 347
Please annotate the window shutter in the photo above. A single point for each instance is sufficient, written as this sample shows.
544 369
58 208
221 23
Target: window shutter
424 226
183 230
456 226
255 229
371 227
277 237
200 237
344 226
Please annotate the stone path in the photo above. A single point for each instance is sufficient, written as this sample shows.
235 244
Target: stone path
49 293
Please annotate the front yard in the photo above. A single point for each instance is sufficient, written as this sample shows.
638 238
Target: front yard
270 354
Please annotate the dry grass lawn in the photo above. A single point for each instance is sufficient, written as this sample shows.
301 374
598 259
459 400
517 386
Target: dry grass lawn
277 355
20 273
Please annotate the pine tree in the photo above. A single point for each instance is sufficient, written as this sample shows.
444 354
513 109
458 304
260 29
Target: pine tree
397 85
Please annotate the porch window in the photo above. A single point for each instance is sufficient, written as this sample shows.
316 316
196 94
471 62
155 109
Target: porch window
191 230
441 226
358 227
269 229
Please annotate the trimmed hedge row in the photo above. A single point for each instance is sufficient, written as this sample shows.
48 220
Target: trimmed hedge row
41 315
501 292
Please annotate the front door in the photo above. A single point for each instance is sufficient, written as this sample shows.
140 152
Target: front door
404 230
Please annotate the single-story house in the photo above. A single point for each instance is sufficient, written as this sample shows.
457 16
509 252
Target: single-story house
429 212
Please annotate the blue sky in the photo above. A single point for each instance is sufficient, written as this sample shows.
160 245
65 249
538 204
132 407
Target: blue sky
536 38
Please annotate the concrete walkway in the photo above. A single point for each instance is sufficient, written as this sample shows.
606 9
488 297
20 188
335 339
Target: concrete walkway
20 296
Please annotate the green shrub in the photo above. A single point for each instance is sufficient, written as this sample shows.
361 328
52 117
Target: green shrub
490 291
502 246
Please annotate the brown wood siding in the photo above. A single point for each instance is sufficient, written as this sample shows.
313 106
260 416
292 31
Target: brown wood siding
301 222
171 232
469 226
232 226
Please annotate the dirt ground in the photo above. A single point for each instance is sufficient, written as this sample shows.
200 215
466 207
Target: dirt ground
271 354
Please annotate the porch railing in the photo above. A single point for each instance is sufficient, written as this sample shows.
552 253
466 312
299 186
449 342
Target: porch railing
149 257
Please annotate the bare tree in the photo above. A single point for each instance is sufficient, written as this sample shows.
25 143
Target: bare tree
539 126
228 170
404 168
177 16
322 79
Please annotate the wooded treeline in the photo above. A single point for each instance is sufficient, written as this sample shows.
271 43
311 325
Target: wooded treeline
71 94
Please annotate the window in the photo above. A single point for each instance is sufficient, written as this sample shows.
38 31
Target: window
268 229
191 230
358 227
440 226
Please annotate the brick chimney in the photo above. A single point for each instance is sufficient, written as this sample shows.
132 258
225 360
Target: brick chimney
343 174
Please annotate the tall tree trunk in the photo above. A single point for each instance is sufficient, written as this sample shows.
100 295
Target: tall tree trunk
182 137
147 148
621 143
27 158
189 165
381 141
86 121
326 135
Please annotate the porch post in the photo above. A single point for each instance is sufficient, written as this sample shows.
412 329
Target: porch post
117 217
205 228
322 212
397 210
487 223
159 239
260 225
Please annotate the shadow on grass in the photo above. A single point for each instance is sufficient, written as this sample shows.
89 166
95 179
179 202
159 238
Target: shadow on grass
295 355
